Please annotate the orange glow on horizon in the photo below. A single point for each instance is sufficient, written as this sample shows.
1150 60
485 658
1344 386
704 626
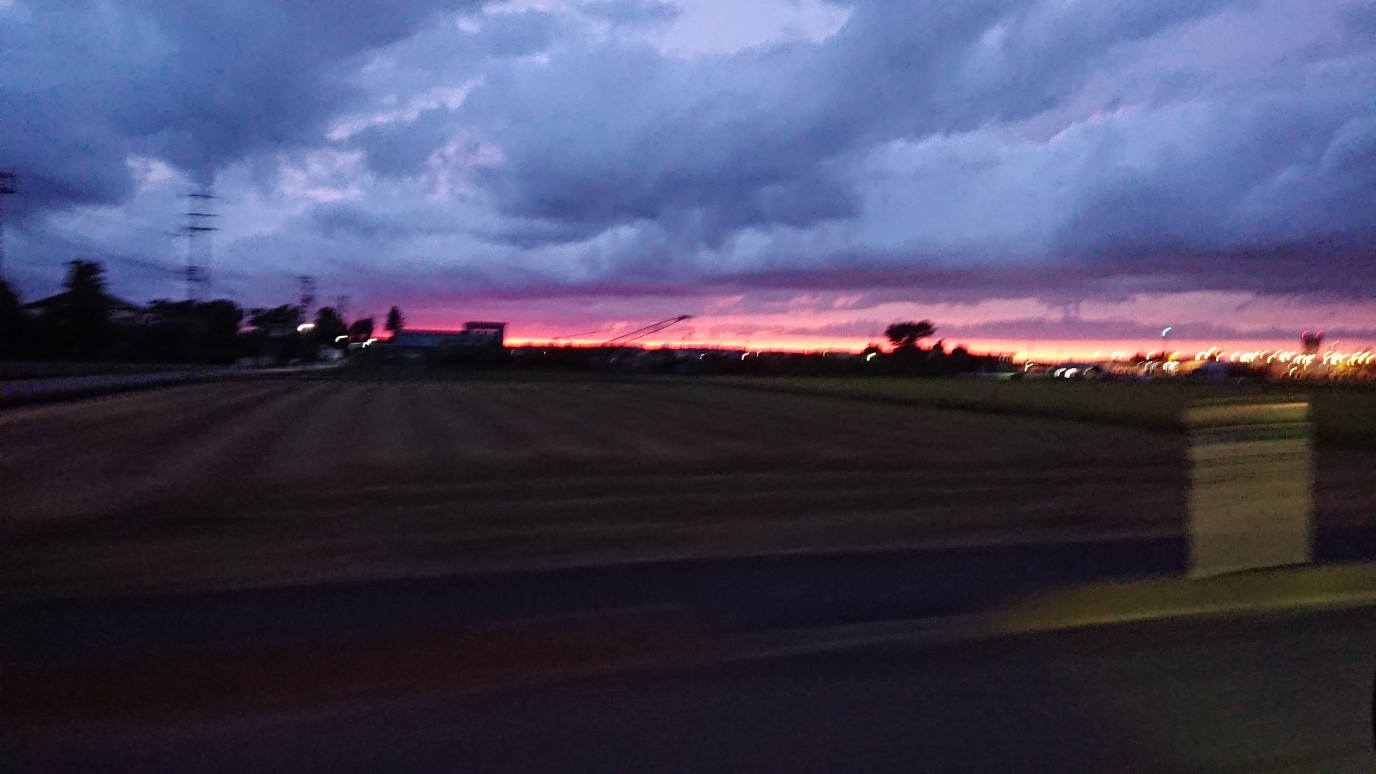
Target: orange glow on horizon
1043 351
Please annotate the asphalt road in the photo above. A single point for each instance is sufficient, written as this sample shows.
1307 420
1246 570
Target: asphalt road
738 594
1190 696
1256 694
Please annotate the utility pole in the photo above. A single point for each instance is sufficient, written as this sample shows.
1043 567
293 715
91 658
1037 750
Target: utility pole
197 230
6 188
307 284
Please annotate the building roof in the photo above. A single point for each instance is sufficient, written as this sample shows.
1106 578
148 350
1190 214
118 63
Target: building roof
473 333
114 303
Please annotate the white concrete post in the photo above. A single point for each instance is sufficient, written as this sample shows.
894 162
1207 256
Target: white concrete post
1251 486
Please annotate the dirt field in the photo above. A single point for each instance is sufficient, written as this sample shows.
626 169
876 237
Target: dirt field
281 481
1342 414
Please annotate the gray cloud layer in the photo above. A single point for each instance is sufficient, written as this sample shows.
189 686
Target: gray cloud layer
950 150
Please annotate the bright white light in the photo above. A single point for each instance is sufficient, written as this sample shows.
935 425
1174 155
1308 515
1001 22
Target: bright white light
305 327
870 356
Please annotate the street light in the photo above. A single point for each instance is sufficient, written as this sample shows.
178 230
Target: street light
1164 331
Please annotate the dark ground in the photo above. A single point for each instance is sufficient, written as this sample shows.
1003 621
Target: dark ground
1260 694
288 481
302 575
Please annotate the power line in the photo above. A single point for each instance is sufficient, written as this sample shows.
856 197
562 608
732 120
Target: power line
584 333
7 188
198 246
307 285
640 333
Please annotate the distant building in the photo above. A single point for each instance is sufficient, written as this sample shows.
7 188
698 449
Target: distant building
1310 342
121 311
474 334
478 342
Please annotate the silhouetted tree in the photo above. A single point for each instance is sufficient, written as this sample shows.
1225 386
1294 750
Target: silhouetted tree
277 316
217 325
328 326
274 338
361 330
395 320
81 317
905 335
13 323
960 361
191 331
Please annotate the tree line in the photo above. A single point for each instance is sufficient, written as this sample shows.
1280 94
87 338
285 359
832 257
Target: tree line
85 323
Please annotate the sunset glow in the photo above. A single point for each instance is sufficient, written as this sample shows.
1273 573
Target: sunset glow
1040 182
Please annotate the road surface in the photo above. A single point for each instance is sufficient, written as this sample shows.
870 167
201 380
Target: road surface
510 672
1282 694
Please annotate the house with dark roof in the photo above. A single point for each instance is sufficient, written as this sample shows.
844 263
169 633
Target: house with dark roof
121 311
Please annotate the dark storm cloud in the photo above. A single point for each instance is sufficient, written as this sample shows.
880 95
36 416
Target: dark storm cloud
1299 269
348 220
518 34
197 83
613 134
927 150
632 12
1333 266
618 134
911 69
400 149
1303 163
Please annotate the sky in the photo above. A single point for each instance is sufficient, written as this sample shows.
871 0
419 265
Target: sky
1051 177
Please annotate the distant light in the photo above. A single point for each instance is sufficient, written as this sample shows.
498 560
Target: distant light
340 338
870 356
1165 330
305 327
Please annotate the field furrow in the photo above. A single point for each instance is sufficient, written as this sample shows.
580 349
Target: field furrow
294 480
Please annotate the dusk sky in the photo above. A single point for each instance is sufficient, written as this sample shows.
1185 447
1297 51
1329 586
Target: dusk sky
1067 175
